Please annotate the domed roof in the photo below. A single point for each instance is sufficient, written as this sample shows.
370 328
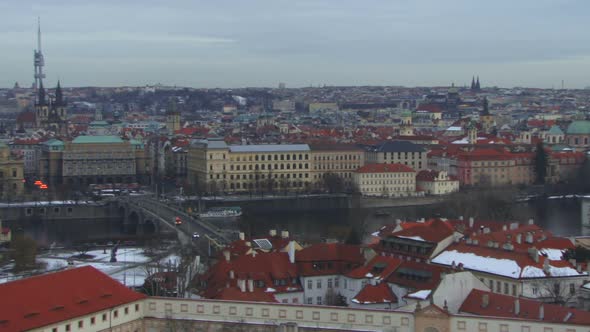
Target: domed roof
579 128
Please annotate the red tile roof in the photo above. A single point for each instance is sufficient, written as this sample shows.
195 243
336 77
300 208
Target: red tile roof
385 168
371 294
434 230
503 306
328 259
262 267
380 267
54 297
416 275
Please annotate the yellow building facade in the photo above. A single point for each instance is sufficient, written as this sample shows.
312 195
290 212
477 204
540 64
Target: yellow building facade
11 174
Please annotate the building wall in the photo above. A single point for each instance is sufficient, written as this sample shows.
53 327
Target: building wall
317 291
302 318
124 318
11 175
340 162
416 160
221 170
394 184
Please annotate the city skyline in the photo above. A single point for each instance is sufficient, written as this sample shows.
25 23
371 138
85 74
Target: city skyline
261 43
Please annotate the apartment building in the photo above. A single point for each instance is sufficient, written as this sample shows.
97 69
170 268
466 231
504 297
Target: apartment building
389 180
11 174
341 160
214 166
398 152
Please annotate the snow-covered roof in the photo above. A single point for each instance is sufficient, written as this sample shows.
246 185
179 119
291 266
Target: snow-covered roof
501 266
421 295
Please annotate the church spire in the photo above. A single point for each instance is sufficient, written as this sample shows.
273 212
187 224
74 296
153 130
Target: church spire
477 86
41 95
472 82
59 98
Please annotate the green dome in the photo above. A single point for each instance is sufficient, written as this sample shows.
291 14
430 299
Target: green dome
579 128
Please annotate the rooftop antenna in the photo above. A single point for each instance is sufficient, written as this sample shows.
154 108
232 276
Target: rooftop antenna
39 62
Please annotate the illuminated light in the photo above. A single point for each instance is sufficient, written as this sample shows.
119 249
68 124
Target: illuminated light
38 183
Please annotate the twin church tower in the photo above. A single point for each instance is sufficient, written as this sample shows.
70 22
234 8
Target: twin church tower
50 113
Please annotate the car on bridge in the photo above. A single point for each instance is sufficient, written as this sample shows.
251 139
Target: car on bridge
177 221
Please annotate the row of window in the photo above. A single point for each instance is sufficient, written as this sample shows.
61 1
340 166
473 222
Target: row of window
338 157
92 320
330 284
268 157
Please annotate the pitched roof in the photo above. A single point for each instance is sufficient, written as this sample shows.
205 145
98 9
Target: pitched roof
500 305
54 297
385 168
372 294
97 139
434 230
400 146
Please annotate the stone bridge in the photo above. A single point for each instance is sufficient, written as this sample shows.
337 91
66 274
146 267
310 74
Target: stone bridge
144 215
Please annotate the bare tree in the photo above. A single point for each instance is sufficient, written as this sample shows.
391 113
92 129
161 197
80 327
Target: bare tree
556 291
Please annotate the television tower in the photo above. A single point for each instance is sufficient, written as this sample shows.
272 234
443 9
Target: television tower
39 62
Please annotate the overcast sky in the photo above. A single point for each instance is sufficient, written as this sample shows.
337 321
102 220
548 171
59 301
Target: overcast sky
238 43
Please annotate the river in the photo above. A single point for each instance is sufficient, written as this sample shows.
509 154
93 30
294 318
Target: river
559 216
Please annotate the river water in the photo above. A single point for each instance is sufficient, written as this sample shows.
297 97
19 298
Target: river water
559 216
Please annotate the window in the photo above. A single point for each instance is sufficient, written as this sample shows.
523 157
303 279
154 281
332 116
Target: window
116 313
104 317
330 283
309 284
136 307
482 327
92 320
54 329
460 325
126 310
319 284
309 300
319 300
572 289
80 324
513 290
68 327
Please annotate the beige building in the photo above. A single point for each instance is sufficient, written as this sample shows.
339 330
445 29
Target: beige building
388 180
398 152
93 160
341 160
214 166
436 182
11 174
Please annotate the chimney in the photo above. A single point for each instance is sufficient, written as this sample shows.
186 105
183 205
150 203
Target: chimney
272 232
285 234
242 285
460 217
534 253
471 222
248 244
517 307
542 312
292 252
529 237
398 222
250 285
579 268
519 238
231 274
504 228
531 221
514 225
226 255
545 265
485 300
242 236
